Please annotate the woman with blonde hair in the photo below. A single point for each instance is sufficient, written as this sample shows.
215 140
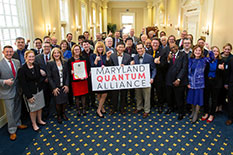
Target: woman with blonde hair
79 86
30 79
59 81
98 59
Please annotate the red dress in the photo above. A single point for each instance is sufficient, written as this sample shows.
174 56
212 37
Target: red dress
80 87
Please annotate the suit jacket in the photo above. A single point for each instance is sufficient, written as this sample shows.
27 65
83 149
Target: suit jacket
178 70
113 61
8 92
100 63
29 82
178 43
53 74
17 55
132 53
36 51
229 73
113 39
69 47
135 39
147 59
41 62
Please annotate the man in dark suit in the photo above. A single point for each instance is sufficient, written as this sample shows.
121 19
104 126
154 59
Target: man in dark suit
42 61
116 39
86 53
87 37
8 79
143 94
130 49
176 80
229 86
69 38
54 42
180 42
118 59
38 46
21 48
159 82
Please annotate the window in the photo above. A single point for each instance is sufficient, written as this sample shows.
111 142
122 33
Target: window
9 22
84 17
127 21
94 23
100 18
63 11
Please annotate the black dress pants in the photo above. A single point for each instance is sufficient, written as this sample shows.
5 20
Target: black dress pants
115 97
230 102
175 98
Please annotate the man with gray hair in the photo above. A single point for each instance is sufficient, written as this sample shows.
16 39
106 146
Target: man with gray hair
135 39
109 43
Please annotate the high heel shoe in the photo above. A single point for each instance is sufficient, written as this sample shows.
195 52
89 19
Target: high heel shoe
103 112
43 124
203 118
99 115
64 117
210 120
78 113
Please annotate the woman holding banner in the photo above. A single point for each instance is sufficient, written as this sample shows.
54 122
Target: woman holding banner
98 59
79 85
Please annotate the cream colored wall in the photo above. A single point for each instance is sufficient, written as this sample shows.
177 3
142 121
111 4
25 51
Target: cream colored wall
172 17
222 25
116 8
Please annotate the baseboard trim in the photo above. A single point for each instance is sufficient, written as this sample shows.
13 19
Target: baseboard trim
3 120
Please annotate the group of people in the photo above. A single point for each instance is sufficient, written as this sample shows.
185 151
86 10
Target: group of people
180 73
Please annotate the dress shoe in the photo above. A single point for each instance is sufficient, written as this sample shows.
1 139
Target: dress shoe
22 126
210 120
84 112
137 111
59 119
160 110
64 117
145 115
13 136
169 111
36 130
99 115
180 117
229 122
112 112
103 112
78 113
123 112
203 118
43 124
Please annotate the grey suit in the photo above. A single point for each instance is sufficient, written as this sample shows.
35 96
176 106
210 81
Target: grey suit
9 95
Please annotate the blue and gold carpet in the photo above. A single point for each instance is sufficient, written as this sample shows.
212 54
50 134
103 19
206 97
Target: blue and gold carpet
129 134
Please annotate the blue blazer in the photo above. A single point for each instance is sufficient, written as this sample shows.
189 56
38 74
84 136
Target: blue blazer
99 64
147 59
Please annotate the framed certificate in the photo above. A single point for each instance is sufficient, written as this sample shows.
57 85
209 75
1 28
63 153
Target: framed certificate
80 70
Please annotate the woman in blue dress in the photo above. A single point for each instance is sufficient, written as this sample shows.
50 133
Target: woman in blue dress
196 69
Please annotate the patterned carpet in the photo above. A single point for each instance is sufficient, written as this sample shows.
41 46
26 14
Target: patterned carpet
129 134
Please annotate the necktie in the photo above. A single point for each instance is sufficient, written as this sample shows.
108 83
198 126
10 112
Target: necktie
12 68
47 58
129 51
173 58
154 52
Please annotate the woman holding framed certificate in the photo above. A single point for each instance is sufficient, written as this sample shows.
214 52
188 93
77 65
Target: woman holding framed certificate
98 59
58 77
78 70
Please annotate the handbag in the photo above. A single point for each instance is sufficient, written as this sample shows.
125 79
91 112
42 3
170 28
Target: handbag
38 104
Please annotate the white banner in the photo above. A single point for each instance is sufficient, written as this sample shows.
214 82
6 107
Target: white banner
117 77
